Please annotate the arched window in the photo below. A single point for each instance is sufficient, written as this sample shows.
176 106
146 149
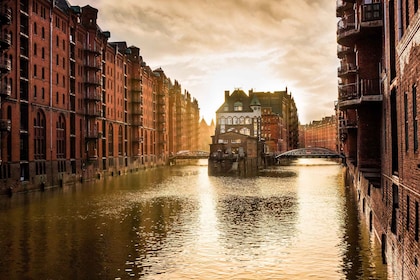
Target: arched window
110 141
229 120
222 120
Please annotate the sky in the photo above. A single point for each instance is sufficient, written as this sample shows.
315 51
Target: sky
210 46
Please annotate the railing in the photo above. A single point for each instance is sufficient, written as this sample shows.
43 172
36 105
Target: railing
6 15
93 134
5 39
93 80
345 68
92 48
5 90
92 64
137 110
93 94
93 111
342 49
346 23
364 87
5 64
138 121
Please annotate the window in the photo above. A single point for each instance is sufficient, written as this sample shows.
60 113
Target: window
35 28
35 49
40 142
35 91
43 53
35 70
43 73
237 106
110 141
43 33
120 141
245 131
61 137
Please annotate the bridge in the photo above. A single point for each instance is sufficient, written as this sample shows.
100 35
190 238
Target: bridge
313 152
188 155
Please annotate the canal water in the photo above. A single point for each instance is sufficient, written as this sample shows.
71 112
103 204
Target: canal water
295 222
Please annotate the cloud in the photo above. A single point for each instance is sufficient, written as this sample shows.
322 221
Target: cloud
214 45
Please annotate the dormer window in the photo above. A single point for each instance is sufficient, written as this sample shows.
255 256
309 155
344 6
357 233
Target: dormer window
237 107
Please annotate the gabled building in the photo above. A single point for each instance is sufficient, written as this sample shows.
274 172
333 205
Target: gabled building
263 116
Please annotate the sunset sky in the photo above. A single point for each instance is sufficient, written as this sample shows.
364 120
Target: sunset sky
210 46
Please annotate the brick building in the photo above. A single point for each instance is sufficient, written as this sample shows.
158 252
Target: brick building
377 102
279 120
322 134
269 116
76 106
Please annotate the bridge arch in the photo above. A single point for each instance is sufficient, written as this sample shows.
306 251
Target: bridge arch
311 152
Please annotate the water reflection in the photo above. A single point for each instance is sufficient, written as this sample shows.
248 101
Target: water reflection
177 223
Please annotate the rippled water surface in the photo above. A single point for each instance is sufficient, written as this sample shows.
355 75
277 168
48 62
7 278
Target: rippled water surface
295 222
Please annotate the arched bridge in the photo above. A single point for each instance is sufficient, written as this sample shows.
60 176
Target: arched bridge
313 152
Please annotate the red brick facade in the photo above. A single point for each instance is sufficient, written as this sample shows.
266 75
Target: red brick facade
322 134
75 106
379 122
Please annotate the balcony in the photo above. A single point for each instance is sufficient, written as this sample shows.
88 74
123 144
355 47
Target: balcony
342 51
137 98
137 139
5 16
92 49
368 22
93 111
137 110
5 40
92 64
92 80
5 90
346 70
364 91
5 125
136 87
346 124
93 134
5 65
92 94
137 121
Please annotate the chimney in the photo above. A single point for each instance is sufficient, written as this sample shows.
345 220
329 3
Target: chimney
226 94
